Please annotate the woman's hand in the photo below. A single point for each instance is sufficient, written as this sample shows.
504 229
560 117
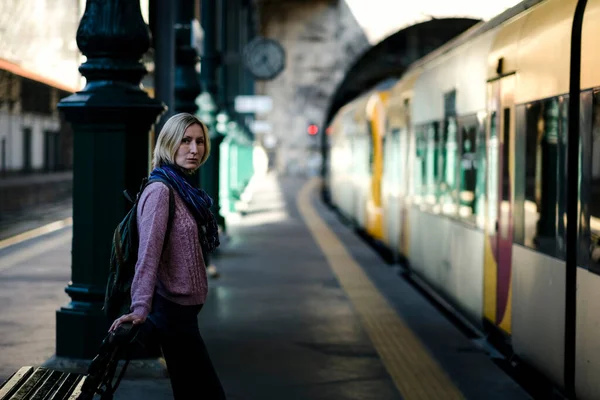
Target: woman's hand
133 318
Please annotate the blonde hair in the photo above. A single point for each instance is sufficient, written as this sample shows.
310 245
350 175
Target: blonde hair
170 138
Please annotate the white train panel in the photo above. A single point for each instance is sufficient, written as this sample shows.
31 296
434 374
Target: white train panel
391 206
429 246
538 310
466 283
464 72
438 253
361 194
587 363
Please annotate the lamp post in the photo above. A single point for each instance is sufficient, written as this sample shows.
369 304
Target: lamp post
111 118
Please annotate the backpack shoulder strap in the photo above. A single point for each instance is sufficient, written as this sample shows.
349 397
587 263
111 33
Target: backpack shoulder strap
171 209
171 215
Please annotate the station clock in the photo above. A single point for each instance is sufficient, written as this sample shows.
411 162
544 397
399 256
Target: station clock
264 58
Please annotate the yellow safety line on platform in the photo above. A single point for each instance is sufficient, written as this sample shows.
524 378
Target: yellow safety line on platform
54 226
415 373
36 250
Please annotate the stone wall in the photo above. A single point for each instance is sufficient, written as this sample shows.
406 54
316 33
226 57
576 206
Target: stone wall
322 40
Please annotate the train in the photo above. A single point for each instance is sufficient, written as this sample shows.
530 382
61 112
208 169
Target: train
468 168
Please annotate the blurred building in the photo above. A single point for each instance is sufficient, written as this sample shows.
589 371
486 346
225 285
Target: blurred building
39 36
38 66
39 62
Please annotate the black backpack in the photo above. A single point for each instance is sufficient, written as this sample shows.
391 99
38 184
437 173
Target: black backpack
124 255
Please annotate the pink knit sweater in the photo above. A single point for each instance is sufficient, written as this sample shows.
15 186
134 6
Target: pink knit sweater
180 274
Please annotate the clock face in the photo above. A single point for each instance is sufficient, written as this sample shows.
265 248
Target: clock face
264 58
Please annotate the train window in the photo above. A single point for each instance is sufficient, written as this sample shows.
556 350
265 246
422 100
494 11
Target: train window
594 203
402 157
432 168
480 166
420 165
387 158
504 220
468 160
492 170
448 154
545 155
391 162
448 149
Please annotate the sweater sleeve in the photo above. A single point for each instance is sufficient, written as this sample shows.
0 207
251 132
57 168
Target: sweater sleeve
152 215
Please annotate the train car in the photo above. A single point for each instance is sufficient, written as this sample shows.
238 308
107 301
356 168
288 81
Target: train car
397 169
448 117
355 167
340 166
474 182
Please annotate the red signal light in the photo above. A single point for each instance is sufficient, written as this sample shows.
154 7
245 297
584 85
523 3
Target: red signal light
312 130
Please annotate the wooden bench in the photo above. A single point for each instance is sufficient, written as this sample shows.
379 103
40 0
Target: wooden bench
31 383
40 383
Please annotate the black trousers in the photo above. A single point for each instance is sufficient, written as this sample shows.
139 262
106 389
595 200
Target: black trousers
175 328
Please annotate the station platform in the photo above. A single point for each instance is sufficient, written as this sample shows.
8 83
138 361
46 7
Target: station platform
303 309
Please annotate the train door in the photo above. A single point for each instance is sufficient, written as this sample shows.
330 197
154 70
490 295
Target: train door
499 224
406 160
375 128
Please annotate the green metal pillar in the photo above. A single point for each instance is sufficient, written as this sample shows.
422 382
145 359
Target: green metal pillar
234 161
111 118
222 165
187 84
225 173
246 168
162 26
207 107
236 165
225 102
232 62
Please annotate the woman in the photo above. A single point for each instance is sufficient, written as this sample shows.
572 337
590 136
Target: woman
170 286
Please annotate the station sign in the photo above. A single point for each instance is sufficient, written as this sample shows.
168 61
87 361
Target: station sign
261 127
253 104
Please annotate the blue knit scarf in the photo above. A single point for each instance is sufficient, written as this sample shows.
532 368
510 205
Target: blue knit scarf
197 201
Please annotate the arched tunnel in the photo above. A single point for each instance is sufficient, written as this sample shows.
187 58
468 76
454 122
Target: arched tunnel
390 57
388 60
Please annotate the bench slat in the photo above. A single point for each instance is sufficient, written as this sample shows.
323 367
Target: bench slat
50 385
66 387
29 387
30 383
14 382
77 391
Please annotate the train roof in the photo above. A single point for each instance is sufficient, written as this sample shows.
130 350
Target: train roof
22 72
477 30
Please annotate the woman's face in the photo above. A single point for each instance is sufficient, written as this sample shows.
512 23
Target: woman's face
191 149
